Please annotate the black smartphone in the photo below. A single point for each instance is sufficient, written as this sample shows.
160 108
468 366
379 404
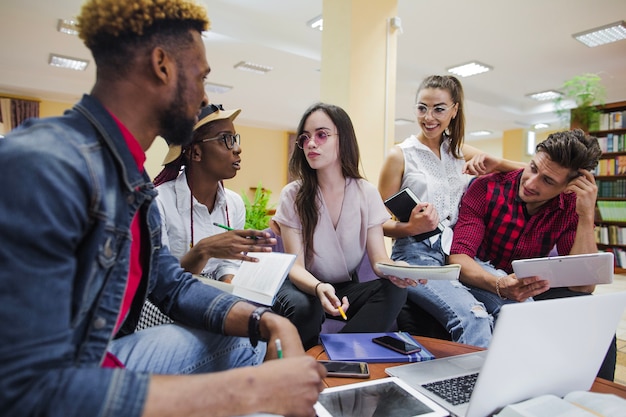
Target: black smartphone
396 344
346 369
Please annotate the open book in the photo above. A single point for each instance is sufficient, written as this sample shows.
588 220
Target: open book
574 404
445 272
401 204
258 281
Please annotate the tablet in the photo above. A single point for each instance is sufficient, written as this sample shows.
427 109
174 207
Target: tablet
380 397
568 270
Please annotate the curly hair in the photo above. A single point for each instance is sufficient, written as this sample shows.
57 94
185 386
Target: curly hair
572 149
114 30
453 86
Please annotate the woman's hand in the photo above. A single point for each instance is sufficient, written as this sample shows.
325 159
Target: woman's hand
330 303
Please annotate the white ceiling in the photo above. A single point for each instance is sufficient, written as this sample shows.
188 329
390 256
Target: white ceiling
527 42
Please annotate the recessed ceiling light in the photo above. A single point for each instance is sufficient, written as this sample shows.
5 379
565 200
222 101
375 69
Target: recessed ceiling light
602 35
469 69
541 126
249 66
316 23
480 133
67 26
217 88
67 62
403 122
545 95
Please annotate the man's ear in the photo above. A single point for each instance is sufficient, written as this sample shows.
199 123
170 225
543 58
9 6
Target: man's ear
195 153
162 65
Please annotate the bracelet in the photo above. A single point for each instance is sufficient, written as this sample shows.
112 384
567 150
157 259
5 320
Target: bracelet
254 325
498 288
315 289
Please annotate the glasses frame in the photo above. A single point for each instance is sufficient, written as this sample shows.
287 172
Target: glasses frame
235 138
431 110
308 138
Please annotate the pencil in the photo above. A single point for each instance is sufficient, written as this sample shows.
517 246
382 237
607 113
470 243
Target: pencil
343 313
223 226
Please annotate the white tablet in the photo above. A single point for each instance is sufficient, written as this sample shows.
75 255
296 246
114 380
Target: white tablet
379 397
568 270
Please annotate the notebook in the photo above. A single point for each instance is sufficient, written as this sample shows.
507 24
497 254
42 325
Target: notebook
359 347
541 347
568 270
401 204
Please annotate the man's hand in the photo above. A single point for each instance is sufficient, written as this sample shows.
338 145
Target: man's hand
288 387
520 289
586 190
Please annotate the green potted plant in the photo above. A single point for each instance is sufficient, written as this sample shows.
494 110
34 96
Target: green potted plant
257 210
587 91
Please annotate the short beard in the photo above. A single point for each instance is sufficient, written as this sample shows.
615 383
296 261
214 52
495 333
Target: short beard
174 127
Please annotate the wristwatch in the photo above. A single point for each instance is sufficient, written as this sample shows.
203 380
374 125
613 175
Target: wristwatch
254 325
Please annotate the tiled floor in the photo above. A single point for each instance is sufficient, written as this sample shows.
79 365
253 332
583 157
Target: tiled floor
618 285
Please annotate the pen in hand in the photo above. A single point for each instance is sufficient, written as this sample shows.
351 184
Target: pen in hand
223 226
343 313
279 349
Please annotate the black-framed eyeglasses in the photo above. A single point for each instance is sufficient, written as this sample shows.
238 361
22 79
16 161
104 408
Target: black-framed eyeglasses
320 137
229 139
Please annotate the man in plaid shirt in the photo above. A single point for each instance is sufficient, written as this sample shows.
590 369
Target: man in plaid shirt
525 214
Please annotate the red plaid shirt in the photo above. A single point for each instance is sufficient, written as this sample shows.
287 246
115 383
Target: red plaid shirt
495 226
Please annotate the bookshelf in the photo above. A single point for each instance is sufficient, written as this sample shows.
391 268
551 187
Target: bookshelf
611 180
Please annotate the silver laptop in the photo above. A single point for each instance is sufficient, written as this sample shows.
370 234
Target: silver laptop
542 347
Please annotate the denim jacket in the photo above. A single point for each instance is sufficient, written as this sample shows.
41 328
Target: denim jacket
70 190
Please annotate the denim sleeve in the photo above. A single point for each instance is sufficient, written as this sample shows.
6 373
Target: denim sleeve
44 219
187 300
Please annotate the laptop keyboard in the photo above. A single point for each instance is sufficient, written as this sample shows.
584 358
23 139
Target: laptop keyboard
455 390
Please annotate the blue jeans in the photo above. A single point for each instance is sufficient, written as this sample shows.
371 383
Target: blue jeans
449 302
176 349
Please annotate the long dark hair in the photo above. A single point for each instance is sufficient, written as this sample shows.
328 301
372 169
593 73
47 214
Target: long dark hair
307 203
457 125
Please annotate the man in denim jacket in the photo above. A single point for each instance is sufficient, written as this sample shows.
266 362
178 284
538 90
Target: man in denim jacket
80 249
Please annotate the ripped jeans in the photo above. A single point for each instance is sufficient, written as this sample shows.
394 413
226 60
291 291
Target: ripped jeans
449 302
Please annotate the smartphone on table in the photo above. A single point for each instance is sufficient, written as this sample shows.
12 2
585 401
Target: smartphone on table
346 369
397 345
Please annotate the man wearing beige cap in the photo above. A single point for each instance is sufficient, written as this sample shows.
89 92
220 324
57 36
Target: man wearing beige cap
81 249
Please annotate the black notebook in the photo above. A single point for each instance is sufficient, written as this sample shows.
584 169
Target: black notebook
401 204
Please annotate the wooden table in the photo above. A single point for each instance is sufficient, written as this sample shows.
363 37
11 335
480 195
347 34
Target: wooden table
442 349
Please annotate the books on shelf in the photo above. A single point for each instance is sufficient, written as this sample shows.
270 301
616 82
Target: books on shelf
445 272
612 120
612 211
258 281
401 204
611 166
612 188
359 347
612 142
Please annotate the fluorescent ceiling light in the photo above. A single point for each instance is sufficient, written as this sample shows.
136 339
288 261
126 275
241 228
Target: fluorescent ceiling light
67 26
68 62
545 95
249 66
541 126
480 133
469 69
403 122
316 23
602 35
217 88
